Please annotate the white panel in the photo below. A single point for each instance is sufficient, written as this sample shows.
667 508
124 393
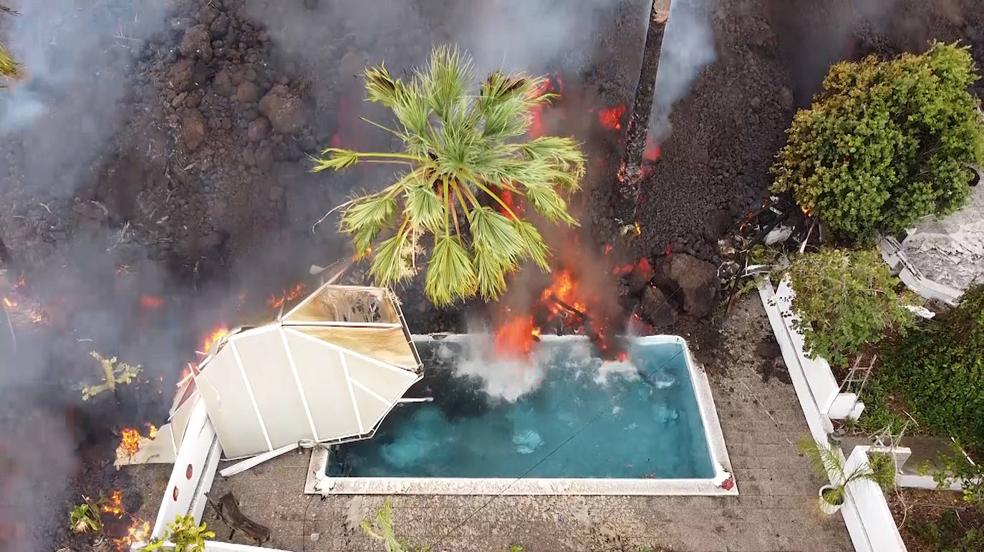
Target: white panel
324 386
386 381
371 409
230 407
277 397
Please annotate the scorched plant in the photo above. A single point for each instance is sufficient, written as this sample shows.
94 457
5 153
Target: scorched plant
886 142
465 162
8 67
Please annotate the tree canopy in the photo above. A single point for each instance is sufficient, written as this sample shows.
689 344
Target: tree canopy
886 142
466 169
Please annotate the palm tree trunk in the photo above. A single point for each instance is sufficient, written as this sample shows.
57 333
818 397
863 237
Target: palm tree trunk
630 168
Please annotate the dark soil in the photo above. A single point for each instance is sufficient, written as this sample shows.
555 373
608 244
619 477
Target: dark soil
930 521
201 192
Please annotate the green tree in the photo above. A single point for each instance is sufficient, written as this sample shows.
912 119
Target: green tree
844 300
886 143
465 163
939 371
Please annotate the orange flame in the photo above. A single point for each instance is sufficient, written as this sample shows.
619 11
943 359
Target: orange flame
151 302
129 441
515 337
113 504
611 117
9 303
288 295
139 531
564 288
212 338
537 128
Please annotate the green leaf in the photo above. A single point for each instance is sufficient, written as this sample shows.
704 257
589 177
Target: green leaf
365 217
393 260
450 273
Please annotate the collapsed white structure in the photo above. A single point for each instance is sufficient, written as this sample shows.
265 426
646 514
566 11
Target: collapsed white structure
326 372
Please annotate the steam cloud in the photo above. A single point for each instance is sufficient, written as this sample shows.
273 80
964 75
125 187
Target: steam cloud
688 47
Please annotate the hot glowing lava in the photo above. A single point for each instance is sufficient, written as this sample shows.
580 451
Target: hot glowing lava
151 302
611 117
549 86
293 293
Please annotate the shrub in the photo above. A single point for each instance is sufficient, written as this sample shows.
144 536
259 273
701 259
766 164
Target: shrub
949 534
885 143
844 300
939 371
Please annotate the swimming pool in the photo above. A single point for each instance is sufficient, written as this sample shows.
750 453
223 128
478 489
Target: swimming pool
564 422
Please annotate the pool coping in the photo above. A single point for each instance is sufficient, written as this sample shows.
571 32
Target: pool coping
319 483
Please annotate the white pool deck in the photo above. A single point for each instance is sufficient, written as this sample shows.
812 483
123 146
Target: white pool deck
320 484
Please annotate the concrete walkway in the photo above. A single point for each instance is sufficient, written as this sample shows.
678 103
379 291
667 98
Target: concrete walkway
761 421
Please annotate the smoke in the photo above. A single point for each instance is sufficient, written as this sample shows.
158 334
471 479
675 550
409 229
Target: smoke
688 47
76 55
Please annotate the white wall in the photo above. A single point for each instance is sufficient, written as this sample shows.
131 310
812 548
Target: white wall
866 514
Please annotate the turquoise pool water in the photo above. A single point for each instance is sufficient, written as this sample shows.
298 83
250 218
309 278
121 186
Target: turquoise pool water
574 416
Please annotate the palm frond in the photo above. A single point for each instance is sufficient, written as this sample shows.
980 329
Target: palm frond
450 272
366 217
381 87
498 248
335 159
445 82
423 207
548 203
533 243
393 259
8 67
563 153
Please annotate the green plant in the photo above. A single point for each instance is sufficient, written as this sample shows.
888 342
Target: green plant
845 300
955 468
184 534
938 369
114 373
948 534
829 462
381 528
885 143
465 172
84 518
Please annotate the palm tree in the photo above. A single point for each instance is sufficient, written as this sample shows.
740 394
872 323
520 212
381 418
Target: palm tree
465 166
8 67
630 168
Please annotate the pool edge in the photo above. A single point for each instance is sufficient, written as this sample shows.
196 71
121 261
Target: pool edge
319 483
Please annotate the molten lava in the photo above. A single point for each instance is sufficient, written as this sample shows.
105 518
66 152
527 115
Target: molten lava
515 337
551 85
151 302
611 117
113 504
293 293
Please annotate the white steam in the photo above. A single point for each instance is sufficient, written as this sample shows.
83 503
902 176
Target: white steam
688 47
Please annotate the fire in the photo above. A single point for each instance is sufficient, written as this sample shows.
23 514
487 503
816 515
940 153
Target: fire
564 289
212 338
611 117
129 441
9 303
151 302
151 431
551 85
138 532
288 295
113 504
515 337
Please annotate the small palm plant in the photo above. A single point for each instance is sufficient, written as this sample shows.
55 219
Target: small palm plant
184 534
381 529
464 163
84 518
828 462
